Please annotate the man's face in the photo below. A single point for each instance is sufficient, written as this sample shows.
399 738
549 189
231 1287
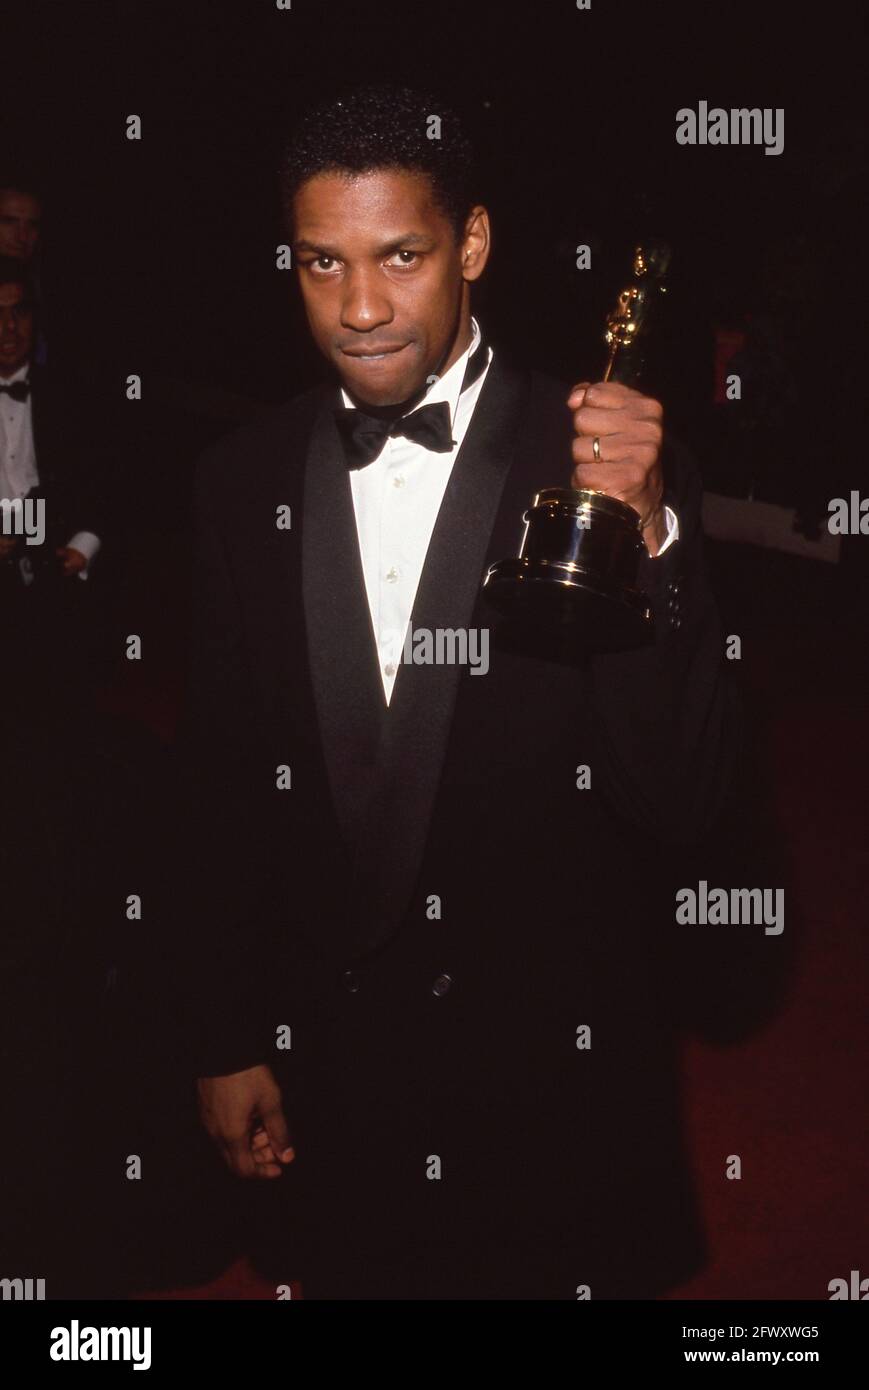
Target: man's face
20 216
381 277
16 329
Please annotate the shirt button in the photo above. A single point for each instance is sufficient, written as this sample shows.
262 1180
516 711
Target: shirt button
441 986
398 481
389 669
391 575
350 981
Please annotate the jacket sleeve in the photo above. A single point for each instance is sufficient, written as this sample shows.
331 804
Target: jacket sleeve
667 716
223 942
77 463
683 760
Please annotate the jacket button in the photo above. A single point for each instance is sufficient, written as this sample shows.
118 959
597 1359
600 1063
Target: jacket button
350 981
441 985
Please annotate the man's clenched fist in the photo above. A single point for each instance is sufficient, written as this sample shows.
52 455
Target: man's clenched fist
629 429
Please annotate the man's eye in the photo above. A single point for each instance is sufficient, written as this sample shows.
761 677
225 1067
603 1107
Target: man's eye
413 255
318 262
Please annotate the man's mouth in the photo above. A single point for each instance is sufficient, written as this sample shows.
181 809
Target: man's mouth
366 355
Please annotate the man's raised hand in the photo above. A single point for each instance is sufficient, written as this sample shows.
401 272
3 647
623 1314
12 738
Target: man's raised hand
628 428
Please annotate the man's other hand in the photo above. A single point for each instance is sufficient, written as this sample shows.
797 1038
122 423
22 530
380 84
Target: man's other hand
71 561
243 1115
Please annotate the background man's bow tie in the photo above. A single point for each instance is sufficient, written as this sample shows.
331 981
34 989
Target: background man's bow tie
365 435
18 390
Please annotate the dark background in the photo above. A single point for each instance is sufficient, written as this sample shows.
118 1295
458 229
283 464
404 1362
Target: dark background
159 259
160 253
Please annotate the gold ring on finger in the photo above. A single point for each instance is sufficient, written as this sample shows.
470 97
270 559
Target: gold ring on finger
595 448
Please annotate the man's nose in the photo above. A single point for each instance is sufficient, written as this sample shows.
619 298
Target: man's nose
365 305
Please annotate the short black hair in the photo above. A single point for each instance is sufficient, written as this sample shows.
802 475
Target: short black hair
16 178
15 272
382 126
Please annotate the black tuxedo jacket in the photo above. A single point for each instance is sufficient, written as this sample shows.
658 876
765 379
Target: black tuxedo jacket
70 446
433 908
53 622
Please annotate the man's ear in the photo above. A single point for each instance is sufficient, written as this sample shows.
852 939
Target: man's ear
476 243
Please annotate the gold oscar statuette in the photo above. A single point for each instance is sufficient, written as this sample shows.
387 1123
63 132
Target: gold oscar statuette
578 564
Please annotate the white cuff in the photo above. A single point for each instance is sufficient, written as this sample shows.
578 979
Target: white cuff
87 544
672 531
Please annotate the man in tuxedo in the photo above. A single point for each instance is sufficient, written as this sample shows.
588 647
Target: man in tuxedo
58 808
438 987
49 499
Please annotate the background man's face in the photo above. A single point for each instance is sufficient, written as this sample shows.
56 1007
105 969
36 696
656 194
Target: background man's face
380 273
20 215
16 329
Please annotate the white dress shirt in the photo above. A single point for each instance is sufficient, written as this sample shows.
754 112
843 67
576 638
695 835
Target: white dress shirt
396 500
18 467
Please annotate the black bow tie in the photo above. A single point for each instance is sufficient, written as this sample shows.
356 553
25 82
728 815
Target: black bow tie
18 390
364 435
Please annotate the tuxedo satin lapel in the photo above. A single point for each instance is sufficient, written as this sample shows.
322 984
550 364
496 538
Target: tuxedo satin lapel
340 638
420 712
43 424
